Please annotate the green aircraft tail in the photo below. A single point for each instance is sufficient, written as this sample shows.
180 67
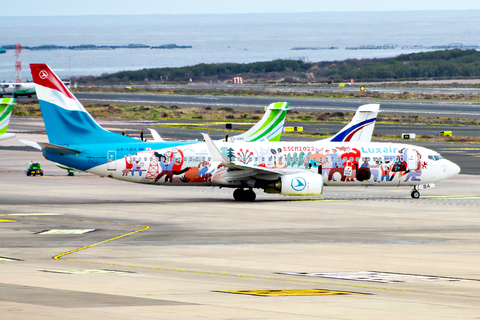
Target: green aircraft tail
6 109
269 128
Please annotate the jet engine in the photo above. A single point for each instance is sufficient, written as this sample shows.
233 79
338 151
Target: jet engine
301 184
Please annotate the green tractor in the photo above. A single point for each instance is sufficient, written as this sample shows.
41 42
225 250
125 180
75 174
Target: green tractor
34 168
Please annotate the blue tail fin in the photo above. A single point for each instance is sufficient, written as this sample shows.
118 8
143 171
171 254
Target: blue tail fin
67 122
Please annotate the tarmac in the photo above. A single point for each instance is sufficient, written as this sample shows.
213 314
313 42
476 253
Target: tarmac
86 247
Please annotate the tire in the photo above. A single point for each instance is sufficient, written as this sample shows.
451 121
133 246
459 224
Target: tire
415 194
239 194
250 195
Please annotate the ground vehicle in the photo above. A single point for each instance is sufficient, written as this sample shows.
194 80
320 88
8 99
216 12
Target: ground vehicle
71 172
34 168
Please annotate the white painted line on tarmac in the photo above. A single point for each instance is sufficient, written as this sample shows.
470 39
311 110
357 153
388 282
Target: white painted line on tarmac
373 276
91 271
33 214
9 259
66 231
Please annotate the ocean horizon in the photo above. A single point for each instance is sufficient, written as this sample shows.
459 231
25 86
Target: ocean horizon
221 38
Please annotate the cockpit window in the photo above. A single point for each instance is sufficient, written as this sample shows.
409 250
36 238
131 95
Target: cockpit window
435 157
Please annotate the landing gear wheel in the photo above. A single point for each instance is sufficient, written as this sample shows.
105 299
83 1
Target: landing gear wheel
415 194
249 195
238 194
244 195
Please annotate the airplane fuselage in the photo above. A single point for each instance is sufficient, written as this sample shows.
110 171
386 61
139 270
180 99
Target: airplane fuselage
340 164
17 89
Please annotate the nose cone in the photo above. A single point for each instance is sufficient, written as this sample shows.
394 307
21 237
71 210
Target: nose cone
453 169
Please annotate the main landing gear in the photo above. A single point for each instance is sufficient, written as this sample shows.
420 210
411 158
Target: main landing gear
244 195
415 194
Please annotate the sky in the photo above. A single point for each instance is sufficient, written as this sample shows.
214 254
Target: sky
140 7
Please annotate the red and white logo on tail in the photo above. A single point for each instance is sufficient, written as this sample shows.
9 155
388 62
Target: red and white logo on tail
51 89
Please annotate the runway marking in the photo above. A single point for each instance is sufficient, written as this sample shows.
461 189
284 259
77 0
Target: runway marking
466 149
373 276
32 214
9 259
66 231
1 220
451 197
292 292
144 228
169 124
86 271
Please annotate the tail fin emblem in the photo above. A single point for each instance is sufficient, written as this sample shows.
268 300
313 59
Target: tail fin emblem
43 74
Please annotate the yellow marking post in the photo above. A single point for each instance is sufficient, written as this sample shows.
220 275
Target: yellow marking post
292 292
291 129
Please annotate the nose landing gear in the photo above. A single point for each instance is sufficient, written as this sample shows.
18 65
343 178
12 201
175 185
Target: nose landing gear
415 194
244 195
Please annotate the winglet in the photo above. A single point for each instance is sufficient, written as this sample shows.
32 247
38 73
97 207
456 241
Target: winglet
213 151
155 135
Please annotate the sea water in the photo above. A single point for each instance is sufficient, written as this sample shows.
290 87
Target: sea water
240 38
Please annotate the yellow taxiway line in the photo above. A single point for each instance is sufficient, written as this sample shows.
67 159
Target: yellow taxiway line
61 256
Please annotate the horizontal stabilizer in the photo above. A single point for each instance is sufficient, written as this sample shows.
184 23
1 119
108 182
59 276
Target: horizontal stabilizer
50 147
7 136
32 144
53 148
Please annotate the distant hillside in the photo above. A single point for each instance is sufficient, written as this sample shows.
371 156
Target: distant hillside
428 65
203 71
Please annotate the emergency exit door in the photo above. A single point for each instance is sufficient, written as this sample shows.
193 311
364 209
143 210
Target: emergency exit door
111 160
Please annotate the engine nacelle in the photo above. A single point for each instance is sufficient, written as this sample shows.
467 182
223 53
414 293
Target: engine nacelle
301 184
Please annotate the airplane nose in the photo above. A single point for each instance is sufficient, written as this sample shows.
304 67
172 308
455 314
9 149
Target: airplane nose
453 169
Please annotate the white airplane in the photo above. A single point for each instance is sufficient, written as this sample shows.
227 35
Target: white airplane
287 168
17 89
6 109
269 128
360 128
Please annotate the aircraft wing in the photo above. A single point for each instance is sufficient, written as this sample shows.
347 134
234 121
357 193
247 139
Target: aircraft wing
242 171
282 181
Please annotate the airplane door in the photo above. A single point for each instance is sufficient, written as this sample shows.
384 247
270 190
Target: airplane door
412 160
111 158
